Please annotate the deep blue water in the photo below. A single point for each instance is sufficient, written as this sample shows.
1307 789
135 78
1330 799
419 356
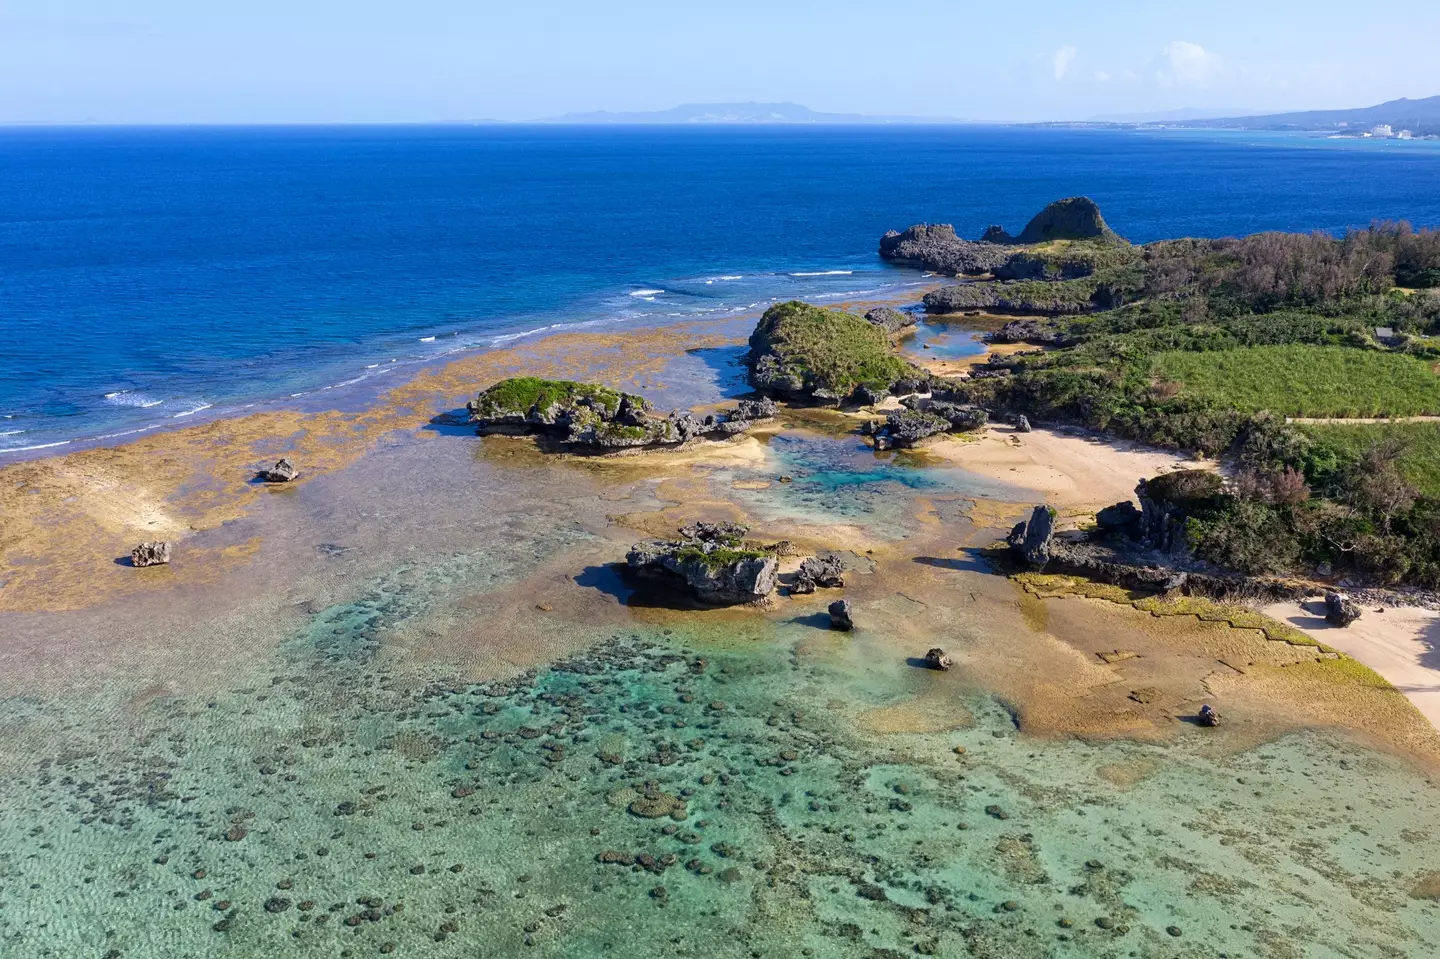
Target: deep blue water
147 273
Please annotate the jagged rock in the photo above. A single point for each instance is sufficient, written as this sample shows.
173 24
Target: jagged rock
937 658
1038 332
1165 502
588 417
907 427
907 386
962 417
936 247
282 472
740 419
823 571
866 396
1022 424
1119 516
823 396
1340 610
1209 716
892 321
150 554
712 562
840 615
1032 539
1073 218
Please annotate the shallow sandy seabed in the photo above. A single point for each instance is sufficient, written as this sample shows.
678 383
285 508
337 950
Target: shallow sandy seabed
336 725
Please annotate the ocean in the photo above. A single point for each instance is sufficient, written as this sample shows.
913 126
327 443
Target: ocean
153 276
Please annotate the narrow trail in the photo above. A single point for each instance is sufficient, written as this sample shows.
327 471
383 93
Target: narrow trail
1360 420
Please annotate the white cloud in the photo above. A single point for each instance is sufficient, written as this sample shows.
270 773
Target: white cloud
1061 59
1186 64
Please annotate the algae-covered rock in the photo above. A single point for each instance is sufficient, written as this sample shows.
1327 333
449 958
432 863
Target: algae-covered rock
804 352
712 561
586 416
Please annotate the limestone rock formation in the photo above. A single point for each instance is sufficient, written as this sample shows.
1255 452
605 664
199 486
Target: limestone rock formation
1340 610
1032 539
937 658
585 417
891 321
1120 516
926 416
1022 424
1037 332
282 472
711 561
936 247
1165 503
819 571
1073 218
1208 715
840 616
150 554
807 353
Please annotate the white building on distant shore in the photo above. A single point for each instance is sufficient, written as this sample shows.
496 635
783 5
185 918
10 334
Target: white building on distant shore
1382 130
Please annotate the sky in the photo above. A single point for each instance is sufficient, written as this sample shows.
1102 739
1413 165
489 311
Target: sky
282 61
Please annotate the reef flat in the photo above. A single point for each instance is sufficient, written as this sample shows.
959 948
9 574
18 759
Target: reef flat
415 703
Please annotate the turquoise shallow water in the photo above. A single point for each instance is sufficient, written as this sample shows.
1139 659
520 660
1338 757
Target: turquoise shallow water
689 792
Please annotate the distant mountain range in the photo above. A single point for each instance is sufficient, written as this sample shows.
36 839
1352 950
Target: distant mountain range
1420 116
737 113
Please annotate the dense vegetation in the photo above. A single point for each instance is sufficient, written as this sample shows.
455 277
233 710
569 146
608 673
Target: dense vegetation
812 348
1206 345
521 393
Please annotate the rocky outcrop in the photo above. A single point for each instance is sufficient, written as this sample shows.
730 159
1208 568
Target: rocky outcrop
584 417
923 417
1032 539
150 554
936 247
806 353
1124 517
711 561
1061 298
1208 716
819 571
937 658
1073 218
1340 610
1035 332
1146 572
1165 505
891 321
1022 424
840 616
282 472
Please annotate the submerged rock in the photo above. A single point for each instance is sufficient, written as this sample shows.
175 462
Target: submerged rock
1032 539
840 615
826 571
282 472
1340 610
712 562
937 658
150 554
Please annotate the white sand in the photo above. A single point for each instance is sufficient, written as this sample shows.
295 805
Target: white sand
1074 473
1402 644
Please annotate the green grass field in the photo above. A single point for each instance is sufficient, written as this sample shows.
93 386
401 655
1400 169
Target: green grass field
1301 380
1421 460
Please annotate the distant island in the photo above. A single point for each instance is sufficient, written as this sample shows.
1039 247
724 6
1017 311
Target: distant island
749 113
1401 119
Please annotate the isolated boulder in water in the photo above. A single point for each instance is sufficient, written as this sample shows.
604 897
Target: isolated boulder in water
1208 715
826 571
711 561
150 554
1340 610
1032 539
282 472
937 658
891 320
840 615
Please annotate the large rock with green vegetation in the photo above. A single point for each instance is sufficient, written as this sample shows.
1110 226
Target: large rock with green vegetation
1169 501
712 562
586 416
1073 218
804 352
1026 297
892 321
